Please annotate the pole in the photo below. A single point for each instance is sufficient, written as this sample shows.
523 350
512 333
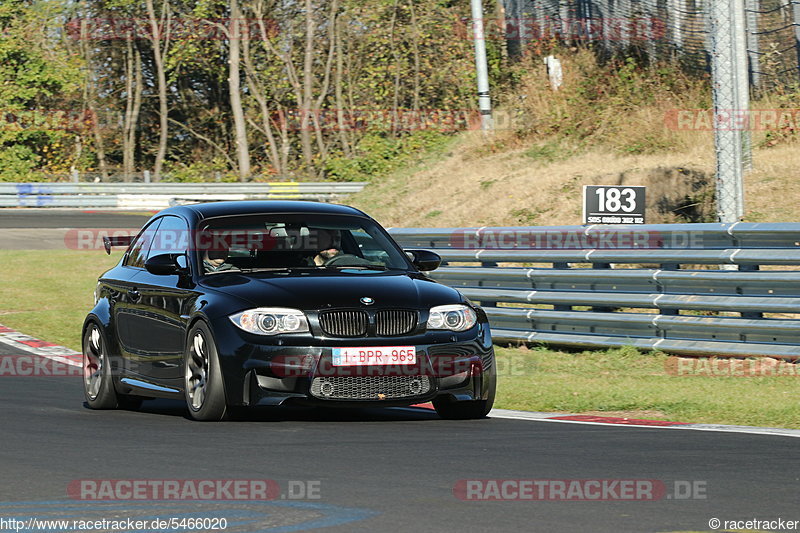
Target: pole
796 15
727 130
753 7
482 70
742 93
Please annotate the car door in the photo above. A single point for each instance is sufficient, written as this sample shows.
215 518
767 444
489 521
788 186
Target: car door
126 298
160 327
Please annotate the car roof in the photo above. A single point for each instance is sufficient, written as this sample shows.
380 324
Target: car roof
217 209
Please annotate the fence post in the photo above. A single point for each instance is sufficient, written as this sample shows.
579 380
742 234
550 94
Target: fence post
566 22
481 68
652 52
727 136
678 9
626 24
752 18
742 92
796 13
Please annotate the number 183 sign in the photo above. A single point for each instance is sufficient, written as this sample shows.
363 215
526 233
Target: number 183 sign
610 204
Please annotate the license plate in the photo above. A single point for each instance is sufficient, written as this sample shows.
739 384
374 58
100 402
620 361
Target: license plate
375 355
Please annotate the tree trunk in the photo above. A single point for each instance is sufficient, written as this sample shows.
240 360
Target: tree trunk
137 103
128 125
342 124
415 48
258 93
308 87
234 85
156 38
89 98
99 148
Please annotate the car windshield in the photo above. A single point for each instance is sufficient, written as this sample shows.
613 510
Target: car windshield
289 242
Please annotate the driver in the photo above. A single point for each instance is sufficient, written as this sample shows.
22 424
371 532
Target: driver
216 260
329 243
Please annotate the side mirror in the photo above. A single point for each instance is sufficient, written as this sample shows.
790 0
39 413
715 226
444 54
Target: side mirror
166 264
424 260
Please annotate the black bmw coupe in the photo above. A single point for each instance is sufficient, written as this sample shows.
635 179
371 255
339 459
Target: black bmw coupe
242 304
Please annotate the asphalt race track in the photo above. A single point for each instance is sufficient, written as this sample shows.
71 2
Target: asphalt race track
386 470
374 470
46 229
70 218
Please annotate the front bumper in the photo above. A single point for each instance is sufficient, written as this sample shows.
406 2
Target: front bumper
298 369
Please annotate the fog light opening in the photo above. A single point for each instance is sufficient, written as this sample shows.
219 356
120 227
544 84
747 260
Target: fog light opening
326 388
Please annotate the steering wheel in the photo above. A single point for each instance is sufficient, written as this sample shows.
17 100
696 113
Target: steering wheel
346 260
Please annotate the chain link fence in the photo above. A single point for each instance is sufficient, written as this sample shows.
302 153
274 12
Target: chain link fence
664 29
748 47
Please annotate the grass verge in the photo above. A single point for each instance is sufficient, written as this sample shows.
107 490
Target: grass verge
625 382
48 293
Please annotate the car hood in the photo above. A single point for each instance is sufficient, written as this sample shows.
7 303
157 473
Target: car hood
319 291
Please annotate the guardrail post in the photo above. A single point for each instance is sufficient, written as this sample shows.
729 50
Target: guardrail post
146 175
668 266
749 314
559 307
488 264
74 175
601 309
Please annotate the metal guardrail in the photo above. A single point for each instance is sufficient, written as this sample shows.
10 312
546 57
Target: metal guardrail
161 195
703 289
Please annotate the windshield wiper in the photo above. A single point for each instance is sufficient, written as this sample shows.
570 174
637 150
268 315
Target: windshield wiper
358 267
280 269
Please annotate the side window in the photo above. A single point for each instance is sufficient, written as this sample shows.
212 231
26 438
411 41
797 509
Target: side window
141 246
172 237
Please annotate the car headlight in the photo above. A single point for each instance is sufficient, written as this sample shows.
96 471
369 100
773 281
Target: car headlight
271 321
454 317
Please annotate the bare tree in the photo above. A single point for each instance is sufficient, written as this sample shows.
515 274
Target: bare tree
160 41
273 151
342 124
133 105
90 103
235 86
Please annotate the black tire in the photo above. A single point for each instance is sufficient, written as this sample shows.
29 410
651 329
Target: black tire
203 388
464 410
98 386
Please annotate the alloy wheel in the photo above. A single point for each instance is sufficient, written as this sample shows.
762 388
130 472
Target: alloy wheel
197 371
94 360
